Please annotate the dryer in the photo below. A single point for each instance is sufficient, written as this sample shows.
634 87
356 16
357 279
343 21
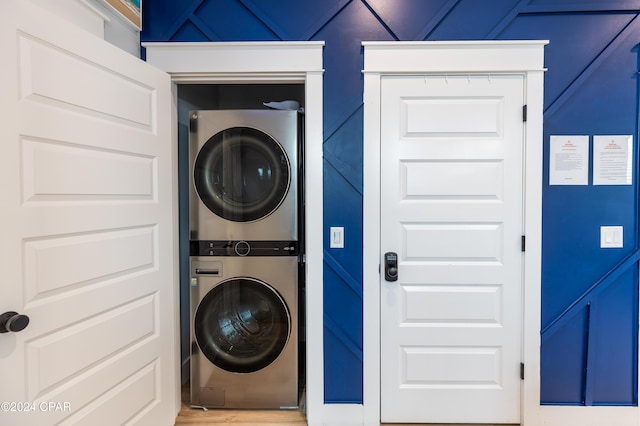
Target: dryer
244 175
244 328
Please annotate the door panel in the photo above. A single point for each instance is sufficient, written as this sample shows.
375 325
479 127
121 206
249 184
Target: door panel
87 225
462 179
451 191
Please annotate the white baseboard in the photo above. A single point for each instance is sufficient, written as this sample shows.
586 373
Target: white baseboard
338 415
587 416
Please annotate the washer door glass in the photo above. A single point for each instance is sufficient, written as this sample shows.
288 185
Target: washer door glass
242 325
242 174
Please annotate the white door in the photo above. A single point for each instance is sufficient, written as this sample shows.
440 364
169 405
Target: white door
86 228
452 209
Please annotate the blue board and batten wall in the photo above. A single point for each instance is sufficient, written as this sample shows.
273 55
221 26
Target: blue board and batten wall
589 295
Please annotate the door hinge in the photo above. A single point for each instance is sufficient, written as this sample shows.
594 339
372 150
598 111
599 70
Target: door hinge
523 243
522 371
524 113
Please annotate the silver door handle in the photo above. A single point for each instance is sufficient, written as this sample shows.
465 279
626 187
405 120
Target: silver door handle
207 271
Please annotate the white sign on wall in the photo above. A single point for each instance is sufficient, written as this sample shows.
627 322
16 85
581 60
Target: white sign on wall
612 160
569 160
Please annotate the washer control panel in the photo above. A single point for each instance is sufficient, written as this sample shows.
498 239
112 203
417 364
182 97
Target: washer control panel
243 248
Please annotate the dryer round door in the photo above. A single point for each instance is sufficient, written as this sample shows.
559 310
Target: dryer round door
242 325
242 174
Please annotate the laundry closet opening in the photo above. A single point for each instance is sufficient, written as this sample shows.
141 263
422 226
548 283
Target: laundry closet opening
235 117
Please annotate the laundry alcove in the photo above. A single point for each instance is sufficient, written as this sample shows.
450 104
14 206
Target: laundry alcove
243 75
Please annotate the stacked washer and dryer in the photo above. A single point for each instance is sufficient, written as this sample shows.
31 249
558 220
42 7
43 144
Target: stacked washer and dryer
244 224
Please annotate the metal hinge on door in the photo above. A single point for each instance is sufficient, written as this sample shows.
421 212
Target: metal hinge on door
522 371
523 243
524 113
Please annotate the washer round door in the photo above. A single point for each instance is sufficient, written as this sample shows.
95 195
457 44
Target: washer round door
242 325
242 174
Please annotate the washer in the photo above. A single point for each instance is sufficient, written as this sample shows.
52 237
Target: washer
244 332
244 175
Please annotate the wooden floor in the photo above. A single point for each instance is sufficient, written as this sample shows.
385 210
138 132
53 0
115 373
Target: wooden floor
189 416
196 416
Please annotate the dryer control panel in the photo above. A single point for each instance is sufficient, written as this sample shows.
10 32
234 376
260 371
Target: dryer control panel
243 248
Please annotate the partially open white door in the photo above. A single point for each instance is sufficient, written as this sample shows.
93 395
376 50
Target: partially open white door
87 228
452 209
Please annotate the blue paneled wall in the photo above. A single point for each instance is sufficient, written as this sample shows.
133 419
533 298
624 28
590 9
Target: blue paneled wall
589 294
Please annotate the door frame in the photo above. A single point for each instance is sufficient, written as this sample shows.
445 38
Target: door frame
447 58
273 62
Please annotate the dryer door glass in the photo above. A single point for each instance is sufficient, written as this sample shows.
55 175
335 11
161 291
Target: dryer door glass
242 325
242 174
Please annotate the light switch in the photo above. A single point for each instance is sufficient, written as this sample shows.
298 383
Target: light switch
611 237
336 237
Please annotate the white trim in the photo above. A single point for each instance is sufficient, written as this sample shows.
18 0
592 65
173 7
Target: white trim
532 303
83 13
240 58
314 246
89 5
492 57
371 249
453 56
231 78
270 62
339 415
176 254
588 416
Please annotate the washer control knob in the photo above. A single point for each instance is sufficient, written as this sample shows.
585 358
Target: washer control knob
242 248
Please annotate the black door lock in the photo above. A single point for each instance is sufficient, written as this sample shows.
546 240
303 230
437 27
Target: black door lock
391 266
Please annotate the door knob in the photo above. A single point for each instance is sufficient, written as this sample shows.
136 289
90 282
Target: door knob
13 321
